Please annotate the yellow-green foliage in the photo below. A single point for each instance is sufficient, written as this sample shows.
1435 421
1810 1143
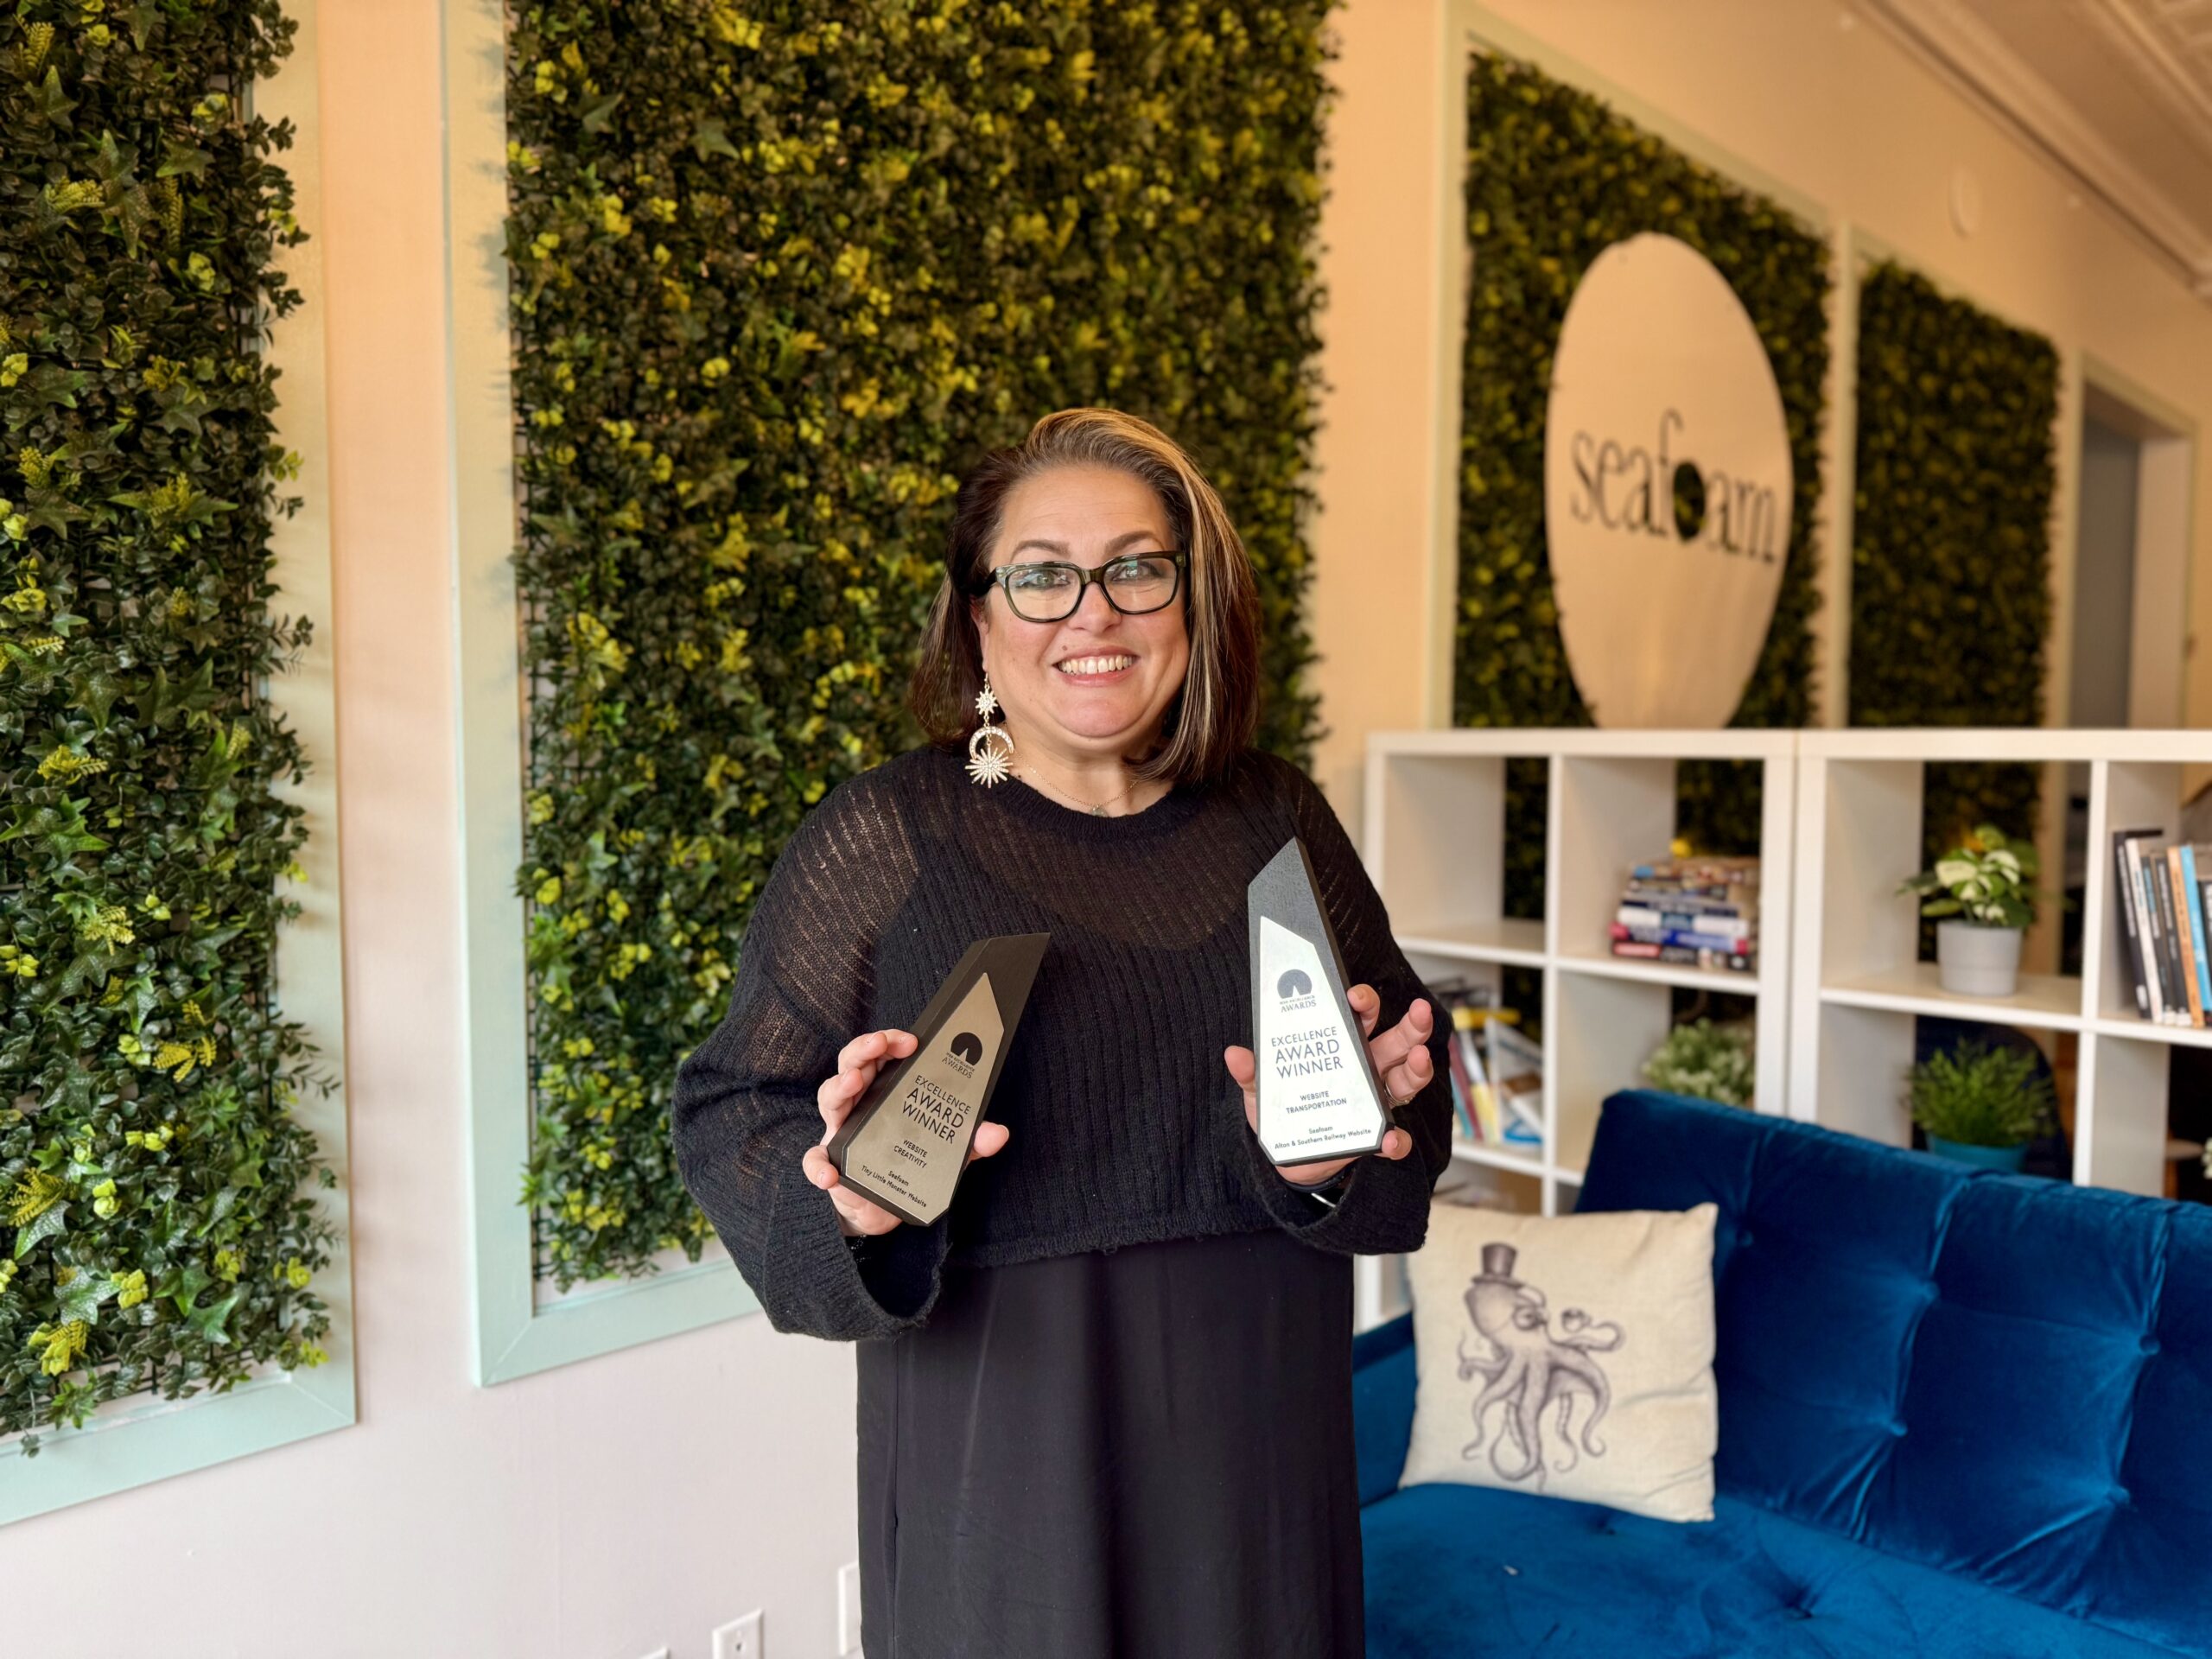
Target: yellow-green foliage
780 273
1950 558
156 1229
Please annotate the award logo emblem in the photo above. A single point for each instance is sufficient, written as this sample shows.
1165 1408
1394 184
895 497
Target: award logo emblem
905 1140
1319 1096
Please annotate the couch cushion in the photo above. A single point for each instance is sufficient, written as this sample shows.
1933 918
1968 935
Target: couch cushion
1458 1572
1995 1375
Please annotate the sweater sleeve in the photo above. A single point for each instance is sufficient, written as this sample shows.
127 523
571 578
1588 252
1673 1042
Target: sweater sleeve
743 1110
1382 1208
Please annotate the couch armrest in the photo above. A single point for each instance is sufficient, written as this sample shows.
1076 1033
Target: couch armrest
1382 1404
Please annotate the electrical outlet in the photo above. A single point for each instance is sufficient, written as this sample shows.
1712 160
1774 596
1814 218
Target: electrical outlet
740 1638
848 1609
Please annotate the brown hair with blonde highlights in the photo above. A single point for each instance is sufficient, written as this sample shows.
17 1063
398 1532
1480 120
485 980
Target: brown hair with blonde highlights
1216 712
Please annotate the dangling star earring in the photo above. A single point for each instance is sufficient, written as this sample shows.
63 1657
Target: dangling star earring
986 762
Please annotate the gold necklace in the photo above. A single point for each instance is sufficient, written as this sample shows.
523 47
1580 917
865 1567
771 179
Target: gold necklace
1098 812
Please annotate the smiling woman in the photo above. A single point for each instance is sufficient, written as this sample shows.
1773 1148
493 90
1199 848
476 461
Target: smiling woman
1104 1401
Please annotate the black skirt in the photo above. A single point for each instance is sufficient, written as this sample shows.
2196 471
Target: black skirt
1140 1453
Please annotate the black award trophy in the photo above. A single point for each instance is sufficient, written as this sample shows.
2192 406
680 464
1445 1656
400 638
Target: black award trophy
905 1140
1319 1096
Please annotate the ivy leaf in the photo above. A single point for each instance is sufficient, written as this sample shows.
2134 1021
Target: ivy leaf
182 161
81 1297
53 103
709 138
208 1320
597 116
96 691
188 1282
48 1224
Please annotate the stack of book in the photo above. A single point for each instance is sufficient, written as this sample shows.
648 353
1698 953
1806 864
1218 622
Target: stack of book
1702 912
2159 895
1497 1072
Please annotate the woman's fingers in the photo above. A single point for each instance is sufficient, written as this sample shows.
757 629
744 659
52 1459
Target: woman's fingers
857 1065
989 1138
1409 1037
861 1215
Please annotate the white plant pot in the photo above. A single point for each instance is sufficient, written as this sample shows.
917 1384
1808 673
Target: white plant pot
1977 959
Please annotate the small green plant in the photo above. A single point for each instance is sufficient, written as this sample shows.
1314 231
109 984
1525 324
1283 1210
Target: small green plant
1986 879
1976 1095
1712 1062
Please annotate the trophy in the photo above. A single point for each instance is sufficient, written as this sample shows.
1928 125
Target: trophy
1319 1096
905 1140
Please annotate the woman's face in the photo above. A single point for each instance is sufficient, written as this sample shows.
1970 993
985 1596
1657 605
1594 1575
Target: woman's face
1131 667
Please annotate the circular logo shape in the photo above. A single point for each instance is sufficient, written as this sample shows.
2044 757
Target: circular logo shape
1294 984
1667 488
969 1047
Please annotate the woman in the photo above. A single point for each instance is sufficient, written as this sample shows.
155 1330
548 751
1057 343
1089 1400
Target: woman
1104 1403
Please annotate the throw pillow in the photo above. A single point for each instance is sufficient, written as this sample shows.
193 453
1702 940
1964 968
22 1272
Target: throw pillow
1569 1355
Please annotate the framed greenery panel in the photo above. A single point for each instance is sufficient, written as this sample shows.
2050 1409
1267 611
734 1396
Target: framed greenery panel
737 295
1951 534
173 1206
1555 174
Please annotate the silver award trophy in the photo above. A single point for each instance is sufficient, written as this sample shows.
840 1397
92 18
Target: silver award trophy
905 1140
1319 1096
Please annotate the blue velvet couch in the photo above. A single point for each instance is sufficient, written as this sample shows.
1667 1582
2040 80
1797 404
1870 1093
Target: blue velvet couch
1962 1414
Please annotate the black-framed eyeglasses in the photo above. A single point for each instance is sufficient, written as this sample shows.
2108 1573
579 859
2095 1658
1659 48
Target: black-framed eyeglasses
1048 590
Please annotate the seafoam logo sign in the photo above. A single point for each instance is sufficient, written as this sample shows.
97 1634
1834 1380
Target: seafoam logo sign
1667 488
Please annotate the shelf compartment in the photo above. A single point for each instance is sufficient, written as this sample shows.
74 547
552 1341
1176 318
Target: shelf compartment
1530 1162
2048 1001
1435 845
1508 940
1661 973
2120 1112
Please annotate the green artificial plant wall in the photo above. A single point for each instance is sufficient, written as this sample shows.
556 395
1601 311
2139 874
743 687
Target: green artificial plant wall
155 1232
779 273
1950 576
1553 178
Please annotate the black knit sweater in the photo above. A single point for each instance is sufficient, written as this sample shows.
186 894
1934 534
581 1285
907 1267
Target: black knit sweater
1125 1124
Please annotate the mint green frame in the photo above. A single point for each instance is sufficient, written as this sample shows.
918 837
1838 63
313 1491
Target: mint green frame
134 1441
517 1331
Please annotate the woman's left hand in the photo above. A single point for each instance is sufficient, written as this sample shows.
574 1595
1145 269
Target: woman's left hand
1402 1060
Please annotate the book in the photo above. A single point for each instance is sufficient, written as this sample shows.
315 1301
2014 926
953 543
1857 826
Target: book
2147 920
1491 1128
1728 927
2130 931
2185 944
1463 1112
1738 962
1516 1066
2193 889
1694 941
2160 894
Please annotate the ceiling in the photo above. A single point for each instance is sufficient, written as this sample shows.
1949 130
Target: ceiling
2118 94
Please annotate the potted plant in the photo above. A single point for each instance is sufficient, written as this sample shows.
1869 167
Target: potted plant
1981 890
1711 1062
1980 1105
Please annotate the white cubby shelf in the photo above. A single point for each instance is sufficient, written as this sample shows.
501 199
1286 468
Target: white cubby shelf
1858 986
1433 841
1838 982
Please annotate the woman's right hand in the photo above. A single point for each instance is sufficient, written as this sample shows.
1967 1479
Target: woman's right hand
857 1065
